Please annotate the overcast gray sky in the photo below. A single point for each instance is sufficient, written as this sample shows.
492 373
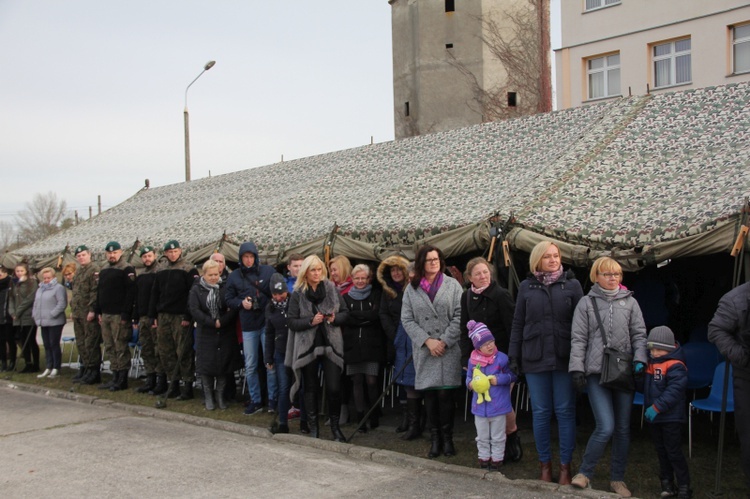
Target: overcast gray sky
92 91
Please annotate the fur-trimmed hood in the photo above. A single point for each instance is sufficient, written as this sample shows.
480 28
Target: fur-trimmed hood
384 273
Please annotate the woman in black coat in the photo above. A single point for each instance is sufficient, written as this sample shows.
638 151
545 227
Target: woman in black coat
215 334
364 342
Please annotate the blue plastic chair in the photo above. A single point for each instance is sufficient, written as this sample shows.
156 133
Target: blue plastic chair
701 359
713 402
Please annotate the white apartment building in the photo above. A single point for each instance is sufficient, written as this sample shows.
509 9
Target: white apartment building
614 48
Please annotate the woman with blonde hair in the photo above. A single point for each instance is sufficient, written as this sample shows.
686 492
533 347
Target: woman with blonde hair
49 314
340 272
316 314
540 349
610 307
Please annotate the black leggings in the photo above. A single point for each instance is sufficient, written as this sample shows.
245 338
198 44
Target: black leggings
26 338
332 376
7 343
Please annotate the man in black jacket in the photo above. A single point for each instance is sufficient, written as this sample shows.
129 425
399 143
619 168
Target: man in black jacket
156 376
730 331
114 304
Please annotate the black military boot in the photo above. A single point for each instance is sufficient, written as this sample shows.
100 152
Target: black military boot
208 392
93 376
174 389
433 418
404 424
413 428
186 391
149 385
221 382
684 492
81 374
667 487
110 383
122 382
161 385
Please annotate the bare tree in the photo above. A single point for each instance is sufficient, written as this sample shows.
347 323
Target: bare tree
7 235
42 217
522 46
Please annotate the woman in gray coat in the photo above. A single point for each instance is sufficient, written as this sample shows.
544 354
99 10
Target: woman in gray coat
431 316
49 314
625 330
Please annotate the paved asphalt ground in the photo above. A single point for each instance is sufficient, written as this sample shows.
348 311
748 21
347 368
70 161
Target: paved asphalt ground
87 447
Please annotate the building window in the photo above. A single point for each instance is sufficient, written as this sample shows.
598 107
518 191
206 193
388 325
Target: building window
450 5
603 76
741 48
406 109
449 45
512 96
598 4
672 63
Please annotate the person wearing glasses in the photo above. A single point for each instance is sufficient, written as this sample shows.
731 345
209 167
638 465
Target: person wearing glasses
540 349
625 330
431 316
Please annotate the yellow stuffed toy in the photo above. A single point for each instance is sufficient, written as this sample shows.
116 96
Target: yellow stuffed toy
480 383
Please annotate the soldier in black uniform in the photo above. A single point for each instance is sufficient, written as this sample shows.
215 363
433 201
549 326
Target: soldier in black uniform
156 377
168 307
114 304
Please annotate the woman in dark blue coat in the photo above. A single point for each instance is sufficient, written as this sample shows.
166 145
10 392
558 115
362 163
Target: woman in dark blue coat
540 349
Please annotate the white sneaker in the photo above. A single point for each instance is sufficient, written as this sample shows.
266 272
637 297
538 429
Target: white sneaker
44 374
53 374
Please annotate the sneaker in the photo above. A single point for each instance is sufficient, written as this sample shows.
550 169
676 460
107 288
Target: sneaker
272 407
495 465
53 373
484 464
253 408
44 374
293 413
581 481
668 488
620 489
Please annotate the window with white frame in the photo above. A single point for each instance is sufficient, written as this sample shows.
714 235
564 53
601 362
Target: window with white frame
598 4
741 48
603 76
672 64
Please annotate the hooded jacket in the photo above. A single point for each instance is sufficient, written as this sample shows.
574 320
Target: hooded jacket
391 299
664 386
253 282
623 325
540 336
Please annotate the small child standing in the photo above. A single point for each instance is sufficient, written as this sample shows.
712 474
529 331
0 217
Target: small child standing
665 384
489 414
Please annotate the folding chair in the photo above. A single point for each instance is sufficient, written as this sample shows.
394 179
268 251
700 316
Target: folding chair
713 402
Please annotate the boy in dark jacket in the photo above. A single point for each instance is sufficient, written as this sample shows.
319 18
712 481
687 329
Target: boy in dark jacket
274 348
664 389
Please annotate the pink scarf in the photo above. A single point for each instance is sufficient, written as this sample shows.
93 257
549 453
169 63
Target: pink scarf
548 278
479 359
432 289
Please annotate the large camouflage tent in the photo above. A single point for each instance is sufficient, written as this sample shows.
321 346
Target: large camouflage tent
643 179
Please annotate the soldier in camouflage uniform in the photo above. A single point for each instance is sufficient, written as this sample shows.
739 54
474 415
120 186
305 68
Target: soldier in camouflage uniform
114 304
86 327
174 333
156 376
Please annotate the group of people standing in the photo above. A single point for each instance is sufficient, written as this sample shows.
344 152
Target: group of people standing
328 326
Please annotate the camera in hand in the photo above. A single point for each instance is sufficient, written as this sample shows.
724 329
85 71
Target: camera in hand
254 303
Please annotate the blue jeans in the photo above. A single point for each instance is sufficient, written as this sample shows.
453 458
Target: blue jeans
553 391
282 378
612 410
251 341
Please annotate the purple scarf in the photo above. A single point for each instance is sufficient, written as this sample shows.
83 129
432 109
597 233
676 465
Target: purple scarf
548 278
431 289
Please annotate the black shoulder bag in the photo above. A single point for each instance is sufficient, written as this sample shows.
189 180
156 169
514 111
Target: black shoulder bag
617 366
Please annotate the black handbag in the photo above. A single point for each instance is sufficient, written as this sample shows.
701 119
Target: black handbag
617 366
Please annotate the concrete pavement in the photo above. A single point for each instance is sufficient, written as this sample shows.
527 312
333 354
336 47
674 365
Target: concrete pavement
87 447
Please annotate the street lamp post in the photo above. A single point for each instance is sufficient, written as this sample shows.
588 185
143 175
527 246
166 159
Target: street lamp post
208 66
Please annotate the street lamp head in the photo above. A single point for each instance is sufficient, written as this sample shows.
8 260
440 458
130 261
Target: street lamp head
209 65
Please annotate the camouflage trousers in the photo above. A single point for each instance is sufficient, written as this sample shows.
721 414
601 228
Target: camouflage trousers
88 340
175 344
116 336
149 352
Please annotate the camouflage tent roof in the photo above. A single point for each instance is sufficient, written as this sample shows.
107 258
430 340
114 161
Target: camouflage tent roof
628 175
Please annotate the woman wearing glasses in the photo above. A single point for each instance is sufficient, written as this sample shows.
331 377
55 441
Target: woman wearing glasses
625 330
431 316
540 349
